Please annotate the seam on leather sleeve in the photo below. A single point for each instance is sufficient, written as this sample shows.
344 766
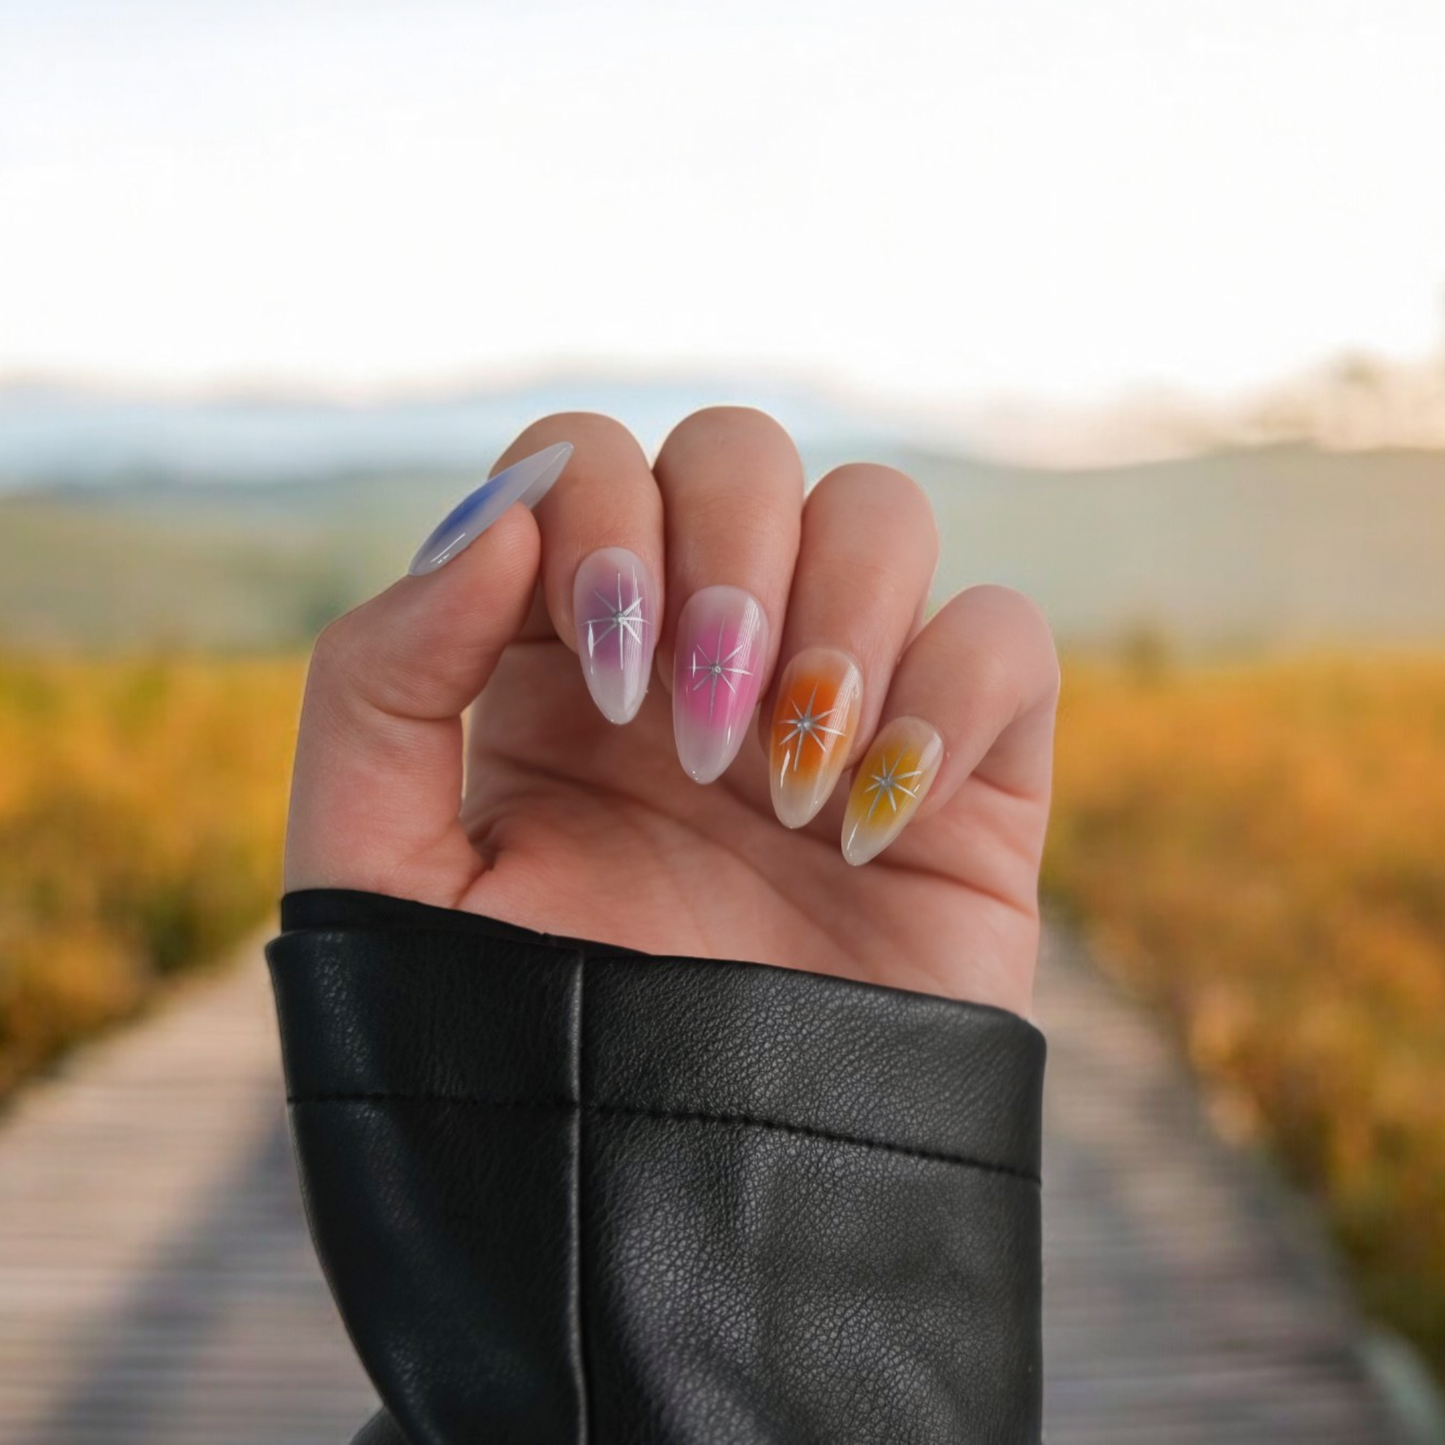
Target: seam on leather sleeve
579 1259
670 1117
392 1097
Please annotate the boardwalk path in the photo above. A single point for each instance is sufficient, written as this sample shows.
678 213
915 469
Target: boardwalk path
156 1284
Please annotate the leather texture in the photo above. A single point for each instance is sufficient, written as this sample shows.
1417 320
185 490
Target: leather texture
563 1192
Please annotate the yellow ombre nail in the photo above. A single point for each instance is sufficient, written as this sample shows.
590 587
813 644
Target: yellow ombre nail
890 784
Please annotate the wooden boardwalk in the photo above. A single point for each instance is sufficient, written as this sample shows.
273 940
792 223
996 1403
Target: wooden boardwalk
1188 1299
157 1286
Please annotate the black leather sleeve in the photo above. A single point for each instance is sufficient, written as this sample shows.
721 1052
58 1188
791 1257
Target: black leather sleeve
568 1193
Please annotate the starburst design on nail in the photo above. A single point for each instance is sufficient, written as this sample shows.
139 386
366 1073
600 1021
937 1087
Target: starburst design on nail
717 668
805 724
625 619
888 782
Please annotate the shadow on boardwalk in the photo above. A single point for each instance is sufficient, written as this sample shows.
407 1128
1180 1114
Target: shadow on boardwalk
156 1281
157 1286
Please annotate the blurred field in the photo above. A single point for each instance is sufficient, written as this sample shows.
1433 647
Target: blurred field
1254 848
1272 548
141 814
1258 851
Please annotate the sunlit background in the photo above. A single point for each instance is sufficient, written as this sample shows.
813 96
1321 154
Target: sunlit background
1150 297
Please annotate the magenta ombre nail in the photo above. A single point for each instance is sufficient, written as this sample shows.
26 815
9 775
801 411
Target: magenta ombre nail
722 644
614 607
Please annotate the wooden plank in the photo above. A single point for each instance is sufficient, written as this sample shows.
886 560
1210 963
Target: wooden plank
156 1281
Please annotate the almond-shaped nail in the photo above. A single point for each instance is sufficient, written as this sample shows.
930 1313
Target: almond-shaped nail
722 644
528 480
814 720
890 783
614 606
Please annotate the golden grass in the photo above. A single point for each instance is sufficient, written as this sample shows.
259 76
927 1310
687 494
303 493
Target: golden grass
1258 849
141 814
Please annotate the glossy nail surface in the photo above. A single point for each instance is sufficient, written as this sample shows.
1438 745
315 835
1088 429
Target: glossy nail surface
890 784
614 605
528 480
722 644
814 720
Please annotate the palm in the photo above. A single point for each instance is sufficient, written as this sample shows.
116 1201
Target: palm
583 828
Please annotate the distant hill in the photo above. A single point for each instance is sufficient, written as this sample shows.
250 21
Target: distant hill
62 436
1277 547
1269 547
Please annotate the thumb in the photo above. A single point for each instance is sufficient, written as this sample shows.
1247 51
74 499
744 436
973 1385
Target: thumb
378 778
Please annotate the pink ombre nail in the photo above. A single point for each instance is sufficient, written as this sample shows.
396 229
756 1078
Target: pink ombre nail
722 644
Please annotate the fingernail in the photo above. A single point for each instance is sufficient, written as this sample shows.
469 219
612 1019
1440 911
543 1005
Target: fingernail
722 642
528 480
813 724
614 606
890 784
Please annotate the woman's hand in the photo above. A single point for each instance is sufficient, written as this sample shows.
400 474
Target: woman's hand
748 592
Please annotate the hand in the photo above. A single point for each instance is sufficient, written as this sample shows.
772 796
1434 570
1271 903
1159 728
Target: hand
572 824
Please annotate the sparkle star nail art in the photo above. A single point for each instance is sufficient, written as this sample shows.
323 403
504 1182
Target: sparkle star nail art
614 608
718 659
890 783
814 720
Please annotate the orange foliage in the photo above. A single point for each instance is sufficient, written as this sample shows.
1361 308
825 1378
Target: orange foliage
141 813
1257 849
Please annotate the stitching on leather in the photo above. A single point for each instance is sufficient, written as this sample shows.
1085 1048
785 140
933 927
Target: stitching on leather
665 1116
749 1121
427 1098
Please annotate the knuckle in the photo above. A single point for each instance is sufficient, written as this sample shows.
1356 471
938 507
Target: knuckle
1026 621
1009 601
332 644
888 588
716 517
588 431
731 426
877 482
991 674
333 666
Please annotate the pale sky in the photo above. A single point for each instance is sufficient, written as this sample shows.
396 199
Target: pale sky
922 201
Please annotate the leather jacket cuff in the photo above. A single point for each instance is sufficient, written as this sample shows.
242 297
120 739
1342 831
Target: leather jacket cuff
563 1191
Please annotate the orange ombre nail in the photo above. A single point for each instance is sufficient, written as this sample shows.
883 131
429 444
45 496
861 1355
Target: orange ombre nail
814 721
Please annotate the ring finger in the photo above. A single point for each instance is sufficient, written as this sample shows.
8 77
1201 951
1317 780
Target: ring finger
869 549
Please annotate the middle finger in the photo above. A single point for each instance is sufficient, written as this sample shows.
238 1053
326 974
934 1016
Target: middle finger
868 553
732 486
